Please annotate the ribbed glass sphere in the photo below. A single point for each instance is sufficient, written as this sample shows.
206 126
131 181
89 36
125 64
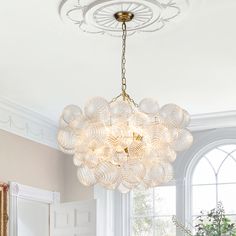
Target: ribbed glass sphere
149 106
71 112
97 108
122 145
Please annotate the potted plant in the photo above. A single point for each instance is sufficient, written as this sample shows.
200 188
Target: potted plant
212 223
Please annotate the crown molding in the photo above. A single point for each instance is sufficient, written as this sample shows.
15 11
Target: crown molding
26 123
213 120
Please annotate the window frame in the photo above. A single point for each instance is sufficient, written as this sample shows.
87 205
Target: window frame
204 141
190 170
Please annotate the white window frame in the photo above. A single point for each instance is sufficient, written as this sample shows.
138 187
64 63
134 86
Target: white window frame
204 142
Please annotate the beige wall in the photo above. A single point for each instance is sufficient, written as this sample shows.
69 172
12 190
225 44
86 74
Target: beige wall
37 165
30 163
73 189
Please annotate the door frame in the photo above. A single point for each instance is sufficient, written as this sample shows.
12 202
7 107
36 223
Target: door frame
28 193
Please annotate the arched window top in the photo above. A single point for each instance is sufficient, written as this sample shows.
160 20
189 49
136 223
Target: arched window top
209 173
217 166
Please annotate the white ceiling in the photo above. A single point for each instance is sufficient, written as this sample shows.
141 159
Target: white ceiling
46 64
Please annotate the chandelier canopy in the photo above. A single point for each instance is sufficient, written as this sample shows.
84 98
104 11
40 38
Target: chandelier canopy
121 144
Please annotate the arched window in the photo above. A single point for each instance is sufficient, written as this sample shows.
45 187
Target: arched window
213 179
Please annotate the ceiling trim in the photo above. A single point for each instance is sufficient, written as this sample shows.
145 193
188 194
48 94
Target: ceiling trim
26 123
225 119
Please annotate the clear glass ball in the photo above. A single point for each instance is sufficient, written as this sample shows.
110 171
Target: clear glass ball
106 173
149 106
62 123
86 176
163 153
78 123
137 149
97 108
123 189
91 160
154 175
169 172
96 131
159 133
139 119
186 119
78 159
183 141
121 109
119 157
66 138
70 113
172 114
133 171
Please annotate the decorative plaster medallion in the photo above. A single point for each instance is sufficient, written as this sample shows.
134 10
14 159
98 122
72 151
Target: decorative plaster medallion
98 16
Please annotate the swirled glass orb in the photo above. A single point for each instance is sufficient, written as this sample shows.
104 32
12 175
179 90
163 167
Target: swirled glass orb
71 112
121 109
120 145
66 138
106 173
186 119
97 108
78 159
183 142
138 119
172 114
96 131
154 174
149 106
86 176
132 171
169 172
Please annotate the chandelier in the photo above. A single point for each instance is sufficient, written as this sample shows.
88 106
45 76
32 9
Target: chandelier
120 144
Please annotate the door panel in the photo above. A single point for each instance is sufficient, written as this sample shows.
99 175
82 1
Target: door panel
73 219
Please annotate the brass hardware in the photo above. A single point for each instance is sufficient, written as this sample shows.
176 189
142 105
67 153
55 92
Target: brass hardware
124 16
126 150
137 137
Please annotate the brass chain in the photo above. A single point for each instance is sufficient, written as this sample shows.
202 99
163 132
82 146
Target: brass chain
123 59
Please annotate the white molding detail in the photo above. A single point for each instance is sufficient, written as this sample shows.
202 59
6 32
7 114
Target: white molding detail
26 123
214 120
29 193
35 194
21 121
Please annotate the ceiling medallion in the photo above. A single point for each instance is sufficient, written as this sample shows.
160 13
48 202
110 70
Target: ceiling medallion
98 16
121 144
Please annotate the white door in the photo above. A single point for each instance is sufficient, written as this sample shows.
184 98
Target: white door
73 219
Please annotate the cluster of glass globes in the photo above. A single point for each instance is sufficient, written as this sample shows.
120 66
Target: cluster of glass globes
122 146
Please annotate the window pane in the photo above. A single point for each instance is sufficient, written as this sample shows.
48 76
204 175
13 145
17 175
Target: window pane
203 173
142 202
163 226
232 218
227 173
204 198
142 226
165 200
227 194
216 157
228 148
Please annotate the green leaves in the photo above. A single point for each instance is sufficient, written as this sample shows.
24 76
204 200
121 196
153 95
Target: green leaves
215 223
